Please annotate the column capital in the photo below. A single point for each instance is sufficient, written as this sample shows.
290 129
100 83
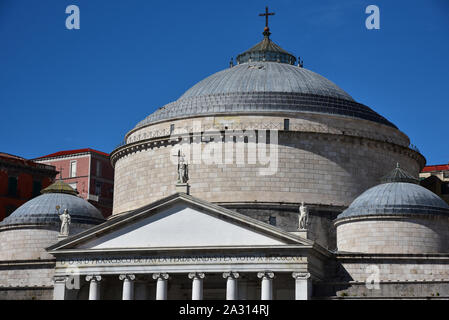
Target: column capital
59 278
129 277
265 275
95 278
196 275
301 275
162 276
232 275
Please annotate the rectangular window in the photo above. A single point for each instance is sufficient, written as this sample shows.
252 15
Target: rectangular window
98 168
272 221
12 186
97 188
172 128
37 187
286 124
72 169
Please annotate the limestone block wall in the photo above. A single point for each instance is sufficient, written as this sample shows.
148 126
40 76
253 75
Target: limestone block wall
30 243
399 276
316 168
400 269
408 234
28 276
33 293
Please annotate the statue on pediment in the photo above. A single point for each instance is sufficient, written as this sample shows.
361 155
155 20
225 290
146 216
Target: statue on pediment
303 217
65 223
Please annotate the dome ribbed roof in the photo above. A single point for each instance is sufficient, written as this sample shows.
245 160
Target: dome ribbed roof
266 77
264 87
400 194
42 209
264 81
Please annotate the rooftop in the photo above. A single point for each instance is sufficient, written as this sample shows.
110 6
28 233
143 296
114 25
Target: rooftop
12 160
437 167
73 152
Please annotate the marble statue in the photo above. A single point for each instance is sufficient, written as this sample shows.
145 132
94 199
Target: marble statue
65 223
303 216
183 175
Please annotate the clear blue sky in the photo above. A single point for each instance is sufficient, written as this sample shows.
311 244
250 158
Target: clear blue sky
62 89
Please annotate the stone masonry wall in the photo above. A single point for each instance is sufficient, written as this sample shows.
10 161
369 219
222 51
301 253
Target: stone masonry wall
30 243
314 168
399 276
394 235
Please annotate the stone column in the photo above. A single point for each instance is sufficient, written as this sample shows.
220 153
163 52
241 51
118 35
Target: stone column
94 287
231 285
161 285
59 287
267 285
197 285
128 286
303 285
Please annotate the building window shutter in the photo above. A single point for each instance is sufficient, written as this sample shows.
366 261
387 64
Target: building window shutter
98 168
72 169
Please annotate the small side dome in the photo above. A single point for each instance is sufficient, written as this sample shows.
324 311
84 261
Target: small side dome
35 225
43 209
399 194
397 216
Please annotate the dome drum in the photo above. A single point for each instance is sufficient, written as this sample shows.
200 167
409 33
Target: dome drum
393 234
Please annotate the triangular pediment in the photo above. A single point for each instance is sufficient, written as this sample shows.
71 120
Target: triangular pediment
179 221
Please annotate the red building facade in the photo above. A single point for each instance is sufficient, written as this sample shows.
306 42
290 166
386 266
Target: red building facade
20 181
89 172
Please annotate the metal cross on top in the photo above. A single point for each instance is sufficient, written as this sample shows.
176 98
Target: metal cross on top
266 15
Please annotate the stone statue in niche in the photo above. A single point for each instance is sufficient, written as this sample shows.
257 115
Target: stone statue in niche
65 223
303 217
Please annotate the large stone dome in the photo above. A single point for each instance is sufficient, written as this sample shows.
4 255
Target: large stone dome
265 81
266 77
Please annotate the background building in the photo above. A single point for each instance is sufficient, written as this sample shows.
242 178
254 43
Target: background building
89 172
436 179
20 181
